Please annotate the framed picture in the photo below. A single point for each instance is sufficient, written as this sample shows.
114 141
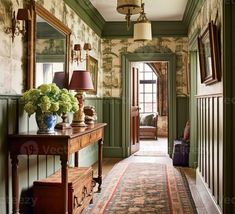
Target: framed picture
209 55
93 68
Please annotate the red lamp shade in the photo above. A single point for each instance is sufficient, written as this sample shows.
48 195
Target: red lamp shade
87 46
77 47
59 79
81 80
23 14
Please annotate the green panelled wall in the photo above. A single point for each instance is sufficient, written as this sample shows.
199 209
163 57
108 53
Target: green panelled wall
210 144
12 120
228 51
182 105
109 110
112 115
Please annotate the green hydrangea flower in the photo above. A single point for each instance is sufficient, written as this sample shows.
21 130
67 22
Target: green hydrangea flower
48 98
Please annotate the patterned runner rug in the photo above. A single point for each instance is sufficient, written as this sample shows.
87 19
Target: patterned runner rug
144 188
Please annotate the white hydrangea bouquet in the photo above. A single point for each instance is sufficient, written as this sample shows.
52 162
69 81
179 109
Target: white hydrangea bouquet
48 100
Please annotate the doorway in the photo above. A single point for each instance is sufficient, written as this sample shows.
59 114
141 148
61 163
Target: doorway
152 103
127 59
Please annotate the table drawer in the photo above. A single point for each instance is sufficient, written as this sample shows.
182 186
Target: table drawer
48 192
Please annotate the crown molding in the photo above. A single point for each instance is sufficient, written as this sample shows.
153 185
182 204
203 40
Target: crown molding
88 13
119 29
189 11
96 22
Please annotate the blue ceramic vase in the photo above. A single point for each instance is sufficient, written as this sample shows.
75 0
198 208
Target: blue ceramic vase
46 123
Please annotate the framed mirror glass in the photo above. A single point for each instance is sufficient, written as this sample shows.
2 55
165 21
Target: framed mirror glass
49 43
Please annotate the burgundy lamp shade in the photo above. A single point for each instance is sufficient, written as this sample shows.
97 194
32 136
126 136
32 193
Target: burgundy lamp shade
59 79
77 47
23 14
87 46
81 80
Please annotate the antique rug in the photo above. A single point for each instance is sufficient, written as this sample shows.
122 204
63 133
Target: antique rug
151 153
143 188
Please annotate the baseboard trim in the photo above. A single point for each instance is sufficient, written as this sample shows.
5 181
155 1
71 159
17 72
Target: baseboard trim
206 196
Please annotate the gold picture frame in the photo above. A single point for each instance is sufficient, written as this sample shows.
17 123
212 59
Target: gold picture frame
93 69
209 55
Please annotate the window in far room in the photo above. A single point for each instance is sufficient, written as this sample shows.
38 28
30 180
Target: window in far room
147 89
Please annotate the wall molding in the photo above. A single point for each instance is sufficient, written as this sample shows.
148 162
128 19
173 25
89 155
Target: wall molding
111 30
209 95
210 204
126 102
88 13
118 30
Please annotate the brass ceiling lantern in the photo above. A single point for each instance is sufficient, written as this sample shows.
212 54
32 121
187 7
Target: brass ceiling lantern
142 27
129 7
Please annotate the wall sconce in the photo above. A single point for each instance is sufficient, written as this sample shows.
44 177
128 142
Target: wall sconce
14 30
77 52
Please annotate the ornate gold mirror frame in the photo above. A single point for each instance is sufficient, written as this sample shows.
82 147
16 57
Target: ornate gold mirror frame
38 10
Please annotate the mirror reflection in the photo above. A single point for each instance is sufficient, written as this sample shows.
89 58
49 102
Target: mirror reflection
50 46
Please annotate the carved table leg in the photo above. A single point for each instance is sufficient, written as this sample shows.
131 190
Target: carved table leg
64 174
15 185
76 159
99 179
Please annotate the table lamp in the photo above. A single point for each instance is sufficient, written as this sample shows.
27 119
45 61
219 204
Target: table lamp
80 82
59 80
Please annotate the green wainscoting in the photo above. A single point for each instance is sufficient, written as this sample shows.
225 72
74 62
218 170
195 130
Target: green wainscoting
228 63
112 115
13 119
182 105
109 110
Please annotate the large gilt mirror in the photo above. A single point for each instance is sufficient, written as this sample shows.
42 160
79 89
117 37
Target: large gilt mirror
48 49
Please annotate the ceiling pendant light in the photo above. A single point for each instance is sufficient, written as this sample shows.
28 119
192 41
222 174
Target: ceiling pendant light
142 28
129 7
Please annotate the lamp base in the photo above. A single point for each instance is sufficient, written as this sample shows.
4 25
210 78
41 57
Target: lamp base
63 126
78 124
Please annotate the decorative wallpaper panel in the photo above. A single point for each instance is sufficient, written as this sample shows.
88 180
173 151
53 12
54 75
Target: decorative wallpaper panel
11 61
113 48
81 33
211 10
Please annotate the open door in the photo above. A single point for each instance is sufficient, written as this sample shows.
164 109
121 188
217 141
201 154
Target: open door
134 110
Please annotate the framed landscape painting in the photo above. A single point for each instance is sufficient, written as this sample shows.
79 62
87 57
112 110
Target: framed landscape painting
93 68
209 55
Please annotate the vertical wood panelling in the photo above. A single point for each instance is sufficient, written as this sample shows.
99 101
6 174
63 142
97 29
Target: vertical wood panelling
109 110
12 120
117 122
112 112
182 104
3 155
211 152
210 138
206 139
220 138
208 142
199 135
216 150
202 137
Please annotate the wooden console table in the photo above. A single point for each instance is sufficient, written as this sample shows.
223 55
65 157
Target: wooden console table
62 143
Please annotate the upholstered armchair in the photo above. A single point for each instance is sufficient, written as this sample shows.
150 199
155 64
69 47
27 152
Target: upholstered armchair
148 126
